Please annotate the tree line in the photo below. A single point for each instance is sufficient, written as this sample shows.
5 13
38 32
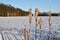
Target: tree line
12 11
8 10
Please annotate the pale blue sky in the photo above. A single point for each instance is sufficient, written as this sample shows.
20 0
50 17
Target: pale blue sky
43 5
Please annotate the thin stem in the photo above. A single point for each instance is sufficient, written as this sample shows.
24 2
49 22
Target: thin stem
36 30
40 33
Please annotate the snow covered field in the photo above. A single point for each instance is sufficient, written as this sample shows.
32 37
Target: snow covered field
16 23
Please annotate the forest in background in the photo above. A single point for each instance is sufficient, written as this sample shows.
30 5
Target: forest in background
8 10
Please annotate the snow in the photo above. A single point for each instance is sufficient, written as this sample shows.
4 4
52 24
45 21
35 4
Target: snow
12 27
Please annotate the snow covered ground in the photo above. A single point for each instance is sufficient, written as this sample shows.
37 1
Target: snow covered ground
11 27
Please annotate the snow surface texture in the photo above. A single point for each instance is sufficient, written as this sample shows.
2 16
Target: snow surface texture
11 28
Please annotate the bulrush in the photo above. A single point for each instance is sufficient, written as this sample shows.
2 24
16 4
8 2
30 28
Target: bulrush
36 16
30 21
25 33
40 23
36 13
30 15
50 22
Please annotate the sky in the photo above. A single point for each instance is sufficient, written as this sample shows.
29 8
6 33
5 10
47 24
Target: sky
42 5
